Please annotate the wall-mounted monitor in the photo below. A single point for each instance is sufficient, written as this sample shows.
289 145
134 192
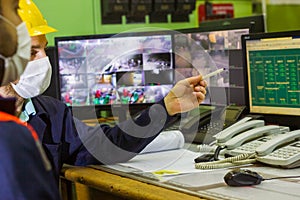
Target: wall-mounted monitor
222 42
273 75
115 70
255 24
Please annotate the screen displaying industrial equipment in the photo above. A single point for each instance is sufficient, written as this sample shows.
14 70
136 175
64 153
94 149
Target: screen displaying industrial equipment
221 39
133 68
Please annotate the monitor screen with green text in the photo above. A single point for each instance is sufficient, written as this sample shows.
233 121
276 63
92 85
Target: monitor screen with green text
273 72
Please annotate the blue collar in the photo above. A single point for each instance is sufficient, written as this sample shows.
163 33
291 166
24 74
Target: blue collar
28 110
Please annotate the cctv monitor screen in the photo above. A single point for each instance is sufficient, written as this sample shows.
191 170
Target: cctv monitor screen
115 69
224 49
222 42
273 75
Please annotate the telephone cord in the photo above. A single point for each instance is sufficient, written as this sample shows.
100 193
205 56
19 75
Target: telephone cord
206 148
241 159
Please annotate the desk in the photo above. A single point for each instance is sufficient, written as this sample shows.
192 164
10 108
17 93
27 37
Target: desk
92 183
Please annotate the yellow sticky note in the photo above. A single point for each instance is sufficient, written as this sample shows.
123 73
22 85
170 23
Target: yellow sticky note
166 172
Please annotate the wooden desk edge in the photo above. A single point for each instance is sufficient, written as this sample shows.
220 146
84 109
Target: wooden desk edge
121 186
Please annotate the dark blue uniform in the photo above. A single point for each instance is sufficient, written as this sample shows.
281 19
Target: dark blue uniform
68 140
22 171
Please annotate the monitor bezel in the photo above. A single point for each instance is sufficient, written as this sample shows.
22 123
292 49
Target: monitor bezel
255 24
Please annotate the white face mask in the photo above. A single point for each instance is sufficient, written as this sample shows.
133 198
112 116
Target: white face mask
35 79
15 65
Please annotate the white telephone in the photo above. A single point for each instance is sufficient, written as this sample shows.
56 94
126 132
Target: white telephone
283 150
232 131
253 133
248 141
270 144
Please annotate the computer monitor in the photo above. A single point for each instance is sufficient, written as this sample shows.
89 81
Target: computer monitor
114 70
273 76
255 24
222 42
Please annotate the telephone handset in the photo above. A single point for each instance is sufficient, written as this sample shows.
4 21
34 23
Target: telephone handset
232 131
277 142
248 141
283 150
251 134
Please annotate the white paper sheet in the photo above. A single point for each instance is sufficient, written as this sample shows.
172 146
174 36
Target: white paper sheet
181 160
166 140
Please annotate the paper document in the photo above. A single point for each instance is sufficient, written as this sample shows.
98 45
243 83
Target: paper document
166 140
180 160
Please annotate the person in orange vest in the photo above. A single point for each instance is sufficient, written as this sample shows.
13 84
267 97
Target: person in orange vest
24 169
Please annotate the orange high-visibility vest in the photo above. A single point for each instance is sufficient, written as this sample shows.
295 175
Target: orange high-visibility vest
8 117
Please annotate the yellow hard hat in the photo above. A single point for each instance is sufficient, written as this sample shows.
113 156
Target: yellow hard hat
35 22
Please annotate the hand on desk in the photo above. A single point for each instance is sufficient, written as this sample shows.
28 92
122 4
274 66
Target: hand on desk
186 95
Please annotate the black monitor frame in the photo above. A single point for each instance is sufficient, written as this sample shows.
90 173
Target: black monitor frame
255 24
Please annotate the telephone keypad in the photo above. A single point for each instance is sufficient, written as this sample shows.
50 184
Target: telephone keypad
212 128
287 156
249 147
286 152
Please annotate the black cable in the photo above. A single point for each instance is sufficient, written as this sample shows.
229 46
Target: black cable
280 177
217 152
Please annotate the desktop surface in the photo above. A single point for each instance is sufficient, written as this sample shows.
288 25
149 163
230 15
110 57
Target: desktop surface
124 182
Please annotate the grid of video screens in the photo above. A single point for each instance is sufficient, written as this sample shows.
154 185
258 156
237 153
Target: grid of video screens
115 69
142 67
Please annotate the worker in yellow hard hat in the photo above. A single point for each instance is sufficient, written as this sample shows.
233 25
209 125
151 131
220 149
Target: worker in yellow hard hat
37 76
